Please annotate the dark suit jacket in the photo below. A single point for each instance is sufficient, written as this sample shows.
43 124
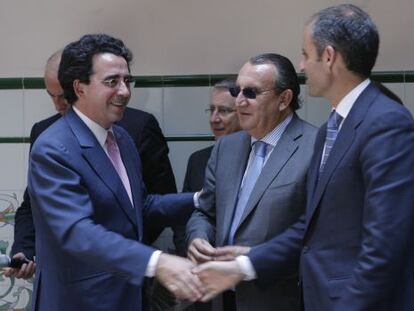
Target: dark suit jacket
157 172
88 233
193 182
196 168
356 240
276 202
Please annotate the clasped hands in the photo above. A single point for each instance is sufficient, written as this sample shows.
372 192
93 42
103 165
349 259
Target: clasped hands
208 272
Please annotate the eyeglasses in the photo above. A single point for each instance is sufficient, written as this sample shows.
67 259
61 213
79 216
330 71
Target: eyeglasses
248 92
221 111
115 82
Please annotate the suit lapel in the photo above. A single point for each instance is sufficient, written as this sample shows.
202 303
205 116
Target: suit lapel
100 163
235 173
342 144
282 152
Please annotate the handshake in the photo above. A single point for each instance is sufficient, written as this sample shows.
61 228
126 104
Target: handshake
207 272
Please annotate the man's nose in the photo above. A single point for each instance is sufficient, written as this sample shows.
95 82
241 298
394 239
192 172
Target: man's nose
123 89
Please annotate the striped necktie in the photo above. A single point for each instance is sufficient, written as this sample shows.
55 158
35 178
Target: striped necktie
253 172
331 132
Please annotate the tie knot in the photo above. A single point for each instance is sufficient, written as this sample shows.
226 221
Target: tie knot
334 120
260 148
110 139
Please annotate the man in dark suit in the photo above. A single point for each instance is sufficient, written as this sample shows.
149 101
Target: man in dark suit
234 210
355 241
223 121
151 145
87 195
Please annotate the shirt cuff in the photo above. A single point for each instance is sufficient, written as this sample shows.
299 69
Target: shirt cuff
152 264
195 199
246 268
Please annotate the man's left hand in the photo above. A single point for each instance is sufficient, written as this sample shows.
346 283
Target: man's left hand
230 252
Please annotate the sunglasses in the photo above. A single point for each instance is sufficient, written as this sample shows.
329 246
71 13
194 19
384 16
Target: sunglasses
248 92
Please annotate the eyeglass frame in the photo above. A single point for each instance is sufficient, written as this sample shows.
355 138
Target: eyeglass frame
235 91
108 81
221 111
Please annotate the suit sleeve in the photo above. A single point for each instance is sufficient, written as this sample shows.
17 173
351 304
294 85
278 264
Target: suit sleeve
202 223
63 205
157 171
24 231
278 258
387 161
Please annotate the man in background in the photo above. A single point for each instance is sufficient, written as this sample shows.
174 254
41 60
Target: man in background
223 121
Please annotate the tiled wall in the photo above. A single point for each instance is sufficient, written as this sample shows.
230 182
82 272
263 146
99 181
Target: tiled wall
180 112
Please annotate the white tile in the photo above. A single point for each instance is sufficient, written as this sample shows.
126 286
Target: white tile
37 106
184 110
149 100
9 203
303 110
11 117
409 97
18 297
317 110
12 167
179 154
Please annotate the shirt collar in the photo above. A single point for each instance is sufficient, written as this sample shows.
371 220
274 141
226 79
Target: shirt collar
346 103
273 136
97 130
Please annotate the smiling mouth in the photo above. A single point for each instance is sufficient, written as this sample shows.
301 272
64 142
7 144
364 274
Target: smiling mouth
120 105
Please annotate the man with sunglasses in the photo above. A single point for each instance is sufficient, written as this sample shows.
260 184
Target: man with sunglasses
88 199
254 186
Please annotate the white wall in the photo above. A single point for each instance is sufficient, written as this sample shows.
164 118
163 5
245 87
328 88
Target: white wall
185 36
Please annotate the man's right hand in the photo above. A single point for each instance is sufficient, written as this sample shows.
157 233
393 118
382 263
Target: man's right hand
175 274
200 251
25 272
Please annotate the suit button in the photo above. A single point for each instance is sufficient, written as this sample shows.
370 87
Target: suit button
305 249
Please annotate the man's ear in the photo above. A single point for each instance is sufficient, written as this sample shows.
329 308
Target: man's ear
329 56
285 98
78 87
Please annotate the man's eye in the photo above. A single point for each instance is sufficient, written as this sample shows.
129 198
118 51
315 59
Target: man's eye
128 80
111 82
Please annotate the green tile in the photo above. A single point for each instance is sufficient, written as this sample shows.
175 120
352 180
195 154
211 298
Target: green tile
388 76
10 83
148 81
14 140
33 83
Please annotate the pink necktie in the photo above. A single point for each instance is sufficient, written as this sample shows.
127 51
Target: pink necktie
115 157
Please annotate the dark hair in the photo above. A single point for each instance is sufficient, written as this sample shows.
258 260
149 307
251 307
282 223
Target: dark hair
286 77
77 60
351 32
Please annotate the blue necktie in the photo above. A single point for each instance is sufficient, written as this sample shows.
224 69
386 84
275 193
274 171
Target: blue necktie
331 132
250 179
